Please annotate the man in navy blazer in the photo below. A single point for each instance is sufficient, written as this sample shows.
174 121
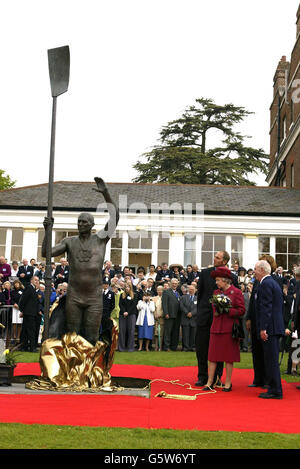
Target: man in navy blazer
25 273
270 326
172 316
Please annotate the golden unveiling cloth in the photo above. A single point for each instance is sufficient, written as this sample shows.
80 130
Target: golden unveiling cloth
73 364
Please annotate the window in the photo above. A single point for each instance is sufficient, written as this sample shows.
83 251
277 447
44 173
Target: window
237 249
211 244
16 244
41 234
139 240
116 248
287 252
284 127
263 245
163 248
2 241
189 249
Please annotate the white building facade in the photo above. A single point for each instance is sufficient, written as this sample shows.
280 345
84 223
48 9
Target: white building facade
148 238
141 240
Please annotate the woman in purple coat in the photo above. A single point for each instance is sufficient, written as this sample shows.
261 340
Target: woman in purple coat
222 347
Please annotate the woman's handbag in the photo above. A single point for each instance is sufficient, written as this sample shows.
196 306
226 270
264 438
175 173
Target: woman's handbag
238 330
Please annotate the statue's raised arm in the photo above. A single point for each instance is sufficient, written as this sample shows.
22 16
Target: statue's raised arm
113 210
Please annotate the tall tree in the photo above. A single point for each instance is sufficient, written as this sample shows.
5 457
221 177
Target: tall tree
5 181
184 157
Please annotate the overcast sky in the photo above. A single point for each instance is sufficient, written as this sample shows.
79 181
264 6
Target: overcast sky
135 65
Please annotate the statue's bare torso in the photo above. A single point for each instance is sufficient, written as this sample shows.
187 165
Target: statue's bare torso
85 260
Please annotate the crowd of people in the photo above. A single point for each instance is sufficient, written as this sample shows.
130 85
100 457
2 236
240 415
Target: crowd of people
164 308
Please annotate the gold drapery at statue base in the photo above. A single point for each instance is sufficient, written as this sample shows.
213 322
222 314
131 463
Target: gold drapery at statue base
73 364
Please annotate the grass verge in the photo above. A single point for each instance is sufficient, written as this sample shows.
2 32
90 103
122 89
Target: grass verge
18 436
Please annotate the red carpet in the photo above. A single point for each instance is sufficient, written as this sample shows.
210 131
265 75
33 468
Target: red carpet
240 410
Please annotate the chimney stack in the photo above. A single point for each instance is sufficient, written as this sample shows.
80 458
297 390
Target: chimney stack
280 75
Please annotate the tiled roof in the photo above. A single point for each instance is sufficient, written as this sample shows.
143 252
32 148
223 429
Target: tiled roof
79 196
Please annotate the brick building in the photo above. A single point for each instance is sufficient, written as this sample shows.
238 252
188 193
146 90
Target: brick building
285 120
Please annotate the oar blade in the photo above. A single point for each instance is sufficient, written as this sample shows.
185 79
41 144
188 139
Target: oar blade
59 69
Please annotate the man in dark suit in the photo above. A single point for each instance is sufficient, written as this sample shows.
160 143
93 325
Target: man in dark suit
108 271
30 308
279 277
61 273
296 305
108 300
188 306
171 313
163 274
195 274
206 286
259 379
108 306
25 273
270 326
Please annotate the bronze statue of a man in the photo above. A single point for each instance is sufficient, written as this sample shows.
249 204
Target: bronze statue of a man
86 256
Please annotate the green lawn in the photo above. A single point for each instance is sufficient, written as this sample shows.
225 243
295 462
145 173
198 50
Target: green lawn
58 437
55 437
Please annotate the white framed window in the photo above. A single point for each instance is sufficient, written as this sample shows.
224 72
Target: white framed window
116 248
163 244
287 252
264 246
236 249
16 244
2 241
212 243
189 249
292 175
139 240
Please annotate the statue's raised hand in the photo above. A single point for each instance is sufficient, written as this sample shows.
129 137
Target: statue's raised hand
101 186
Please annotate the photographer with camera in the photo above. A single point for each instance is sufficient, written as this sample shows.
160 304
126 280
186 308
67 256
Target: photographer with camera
145 320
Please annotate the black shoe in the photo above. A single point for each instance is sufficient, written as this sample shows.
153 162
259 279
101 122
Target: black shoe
227 389
257 386
220 385
208 388
201 382
269 395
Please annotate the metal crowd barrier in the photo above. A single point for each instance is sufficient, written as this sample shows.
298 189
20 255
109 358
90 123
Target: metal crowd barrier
8 334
